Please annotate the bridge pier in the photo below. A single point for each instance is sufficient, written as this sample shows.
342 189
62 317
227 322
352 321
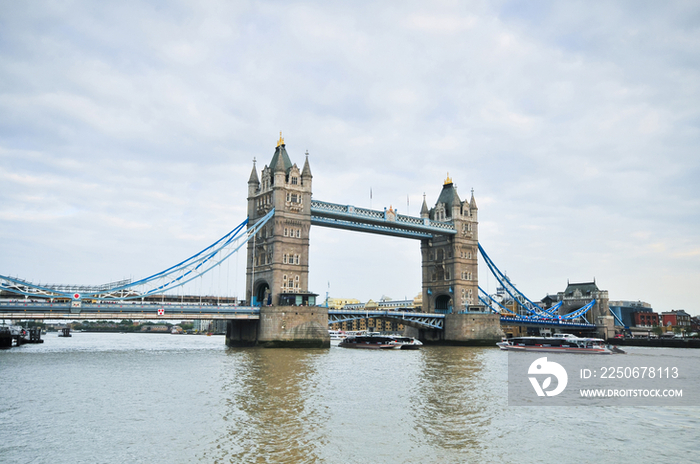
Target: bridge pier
473 329
467 329
242 332
282 327
606 327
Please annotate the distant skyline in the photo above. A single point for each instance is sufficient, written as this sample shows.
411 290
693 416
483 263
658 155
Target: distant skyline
128 132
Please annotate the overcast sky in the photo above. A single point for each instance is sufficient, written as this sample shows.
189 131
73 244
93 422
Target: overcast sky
128 130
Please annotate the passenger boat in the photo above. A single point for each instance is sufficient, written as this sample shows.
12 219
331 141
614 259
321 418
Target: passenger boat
370 342
374 341
337 336
568 344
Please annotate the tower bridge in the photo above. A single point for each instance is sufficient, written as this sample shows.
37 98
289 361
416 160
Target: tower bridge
280 310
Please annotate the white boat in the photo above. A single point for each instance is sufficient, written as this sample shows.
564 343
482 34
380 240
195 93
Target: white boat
408 343
561 344
337 336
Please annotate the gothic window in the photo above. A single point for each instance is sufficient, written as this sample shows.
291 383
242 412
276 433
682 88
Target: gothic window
296 282
440 255
298 233
296 259
284 258
284 281
295 180
286 232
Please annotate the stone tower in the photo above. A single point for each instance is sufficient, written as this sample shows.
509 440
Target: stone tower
277 272
450 273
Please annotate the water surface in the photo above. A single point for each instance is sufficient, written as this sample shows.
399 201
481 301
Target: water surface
152 398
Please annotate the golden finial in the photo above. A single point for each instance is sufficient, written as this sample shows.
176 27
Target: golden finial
281 140
448 180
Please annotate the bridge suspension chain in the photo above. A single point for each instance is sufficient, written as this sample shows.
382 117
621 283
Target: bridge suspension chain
517 296
175 276
535 311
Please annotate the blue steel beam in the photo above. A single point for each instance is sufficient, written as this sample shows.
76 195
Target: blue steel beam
373 228
427 320
379 222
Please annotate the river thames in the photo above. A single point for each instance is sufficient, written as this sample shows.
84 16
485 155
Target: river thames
152 398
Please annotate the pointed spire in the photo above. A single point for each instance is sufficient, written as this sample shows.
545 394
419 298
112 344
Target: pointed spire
472 202
306 172
280 152
254 175
424 211
279 167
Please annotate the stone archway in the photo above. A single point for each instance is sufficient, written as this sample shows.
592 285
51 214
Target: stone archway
263 296
443 304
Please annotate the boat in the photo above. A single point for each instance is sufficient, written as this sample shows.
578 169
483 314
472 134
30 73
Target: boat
408 343
370 342
567 344
373 340
64 332
337 336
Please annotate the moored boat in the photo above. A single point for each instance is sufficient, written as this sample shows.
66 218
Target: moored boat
373 340
337 336
370 342
570 344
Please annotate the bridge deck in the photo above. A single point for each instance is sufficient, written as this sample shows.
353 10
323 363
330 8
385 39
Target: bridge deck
525 322
117 311
379 222
140 311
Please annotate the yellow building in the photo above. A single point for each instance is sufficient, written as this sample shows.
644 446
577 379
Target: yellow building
372 324
339 303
